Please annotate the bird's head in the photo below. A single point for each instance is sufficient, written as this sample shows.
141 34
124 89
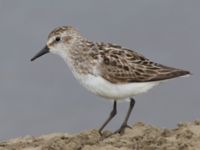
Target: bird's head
60 40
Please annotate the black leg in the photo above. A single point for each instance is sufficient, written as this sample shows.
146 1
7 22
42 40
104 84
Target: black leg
112 114
124 124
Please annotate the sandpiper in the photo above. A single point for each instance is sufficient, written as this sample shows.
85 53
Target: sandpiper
111 71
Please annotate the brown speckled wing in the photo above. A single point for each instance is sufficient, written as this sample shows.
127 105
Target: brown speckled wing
121 65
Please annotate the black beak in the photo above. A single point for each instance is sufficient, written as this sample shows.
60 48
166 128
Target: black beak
45 50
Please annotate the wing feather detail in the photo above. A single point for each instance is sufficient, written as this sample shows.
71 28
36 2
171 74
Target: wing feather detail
120 65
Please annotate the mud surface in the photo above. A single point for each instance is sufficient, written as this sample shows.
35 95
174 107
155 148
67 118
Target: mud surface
141 137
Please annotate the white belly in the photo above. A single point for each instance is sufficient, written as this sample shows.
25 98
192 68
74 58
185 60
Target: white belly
101 87
106 89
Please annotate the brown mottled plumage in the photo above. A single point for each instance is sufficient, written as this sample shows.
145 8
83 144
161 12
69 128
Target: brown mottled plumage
115 64
121 65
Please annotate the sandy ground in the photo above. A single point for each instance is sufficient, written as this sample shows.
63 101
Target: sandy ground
141 137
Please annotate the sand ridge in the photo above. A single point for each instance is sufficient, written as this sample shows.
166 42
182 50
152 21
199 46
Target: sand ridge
186 136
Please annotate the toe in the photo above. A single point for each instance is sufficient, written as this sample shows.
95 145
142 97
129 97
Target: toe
122 129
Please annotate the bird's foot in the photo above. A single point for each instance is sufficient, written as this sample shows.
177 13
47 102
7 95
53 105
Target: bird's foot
122 128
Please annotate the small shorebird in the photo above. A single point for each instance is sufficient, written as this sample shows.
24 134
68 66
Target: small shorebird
108 70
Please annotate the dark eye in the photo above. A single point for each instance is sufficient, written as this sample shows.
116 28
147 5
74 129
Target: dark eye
57 39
